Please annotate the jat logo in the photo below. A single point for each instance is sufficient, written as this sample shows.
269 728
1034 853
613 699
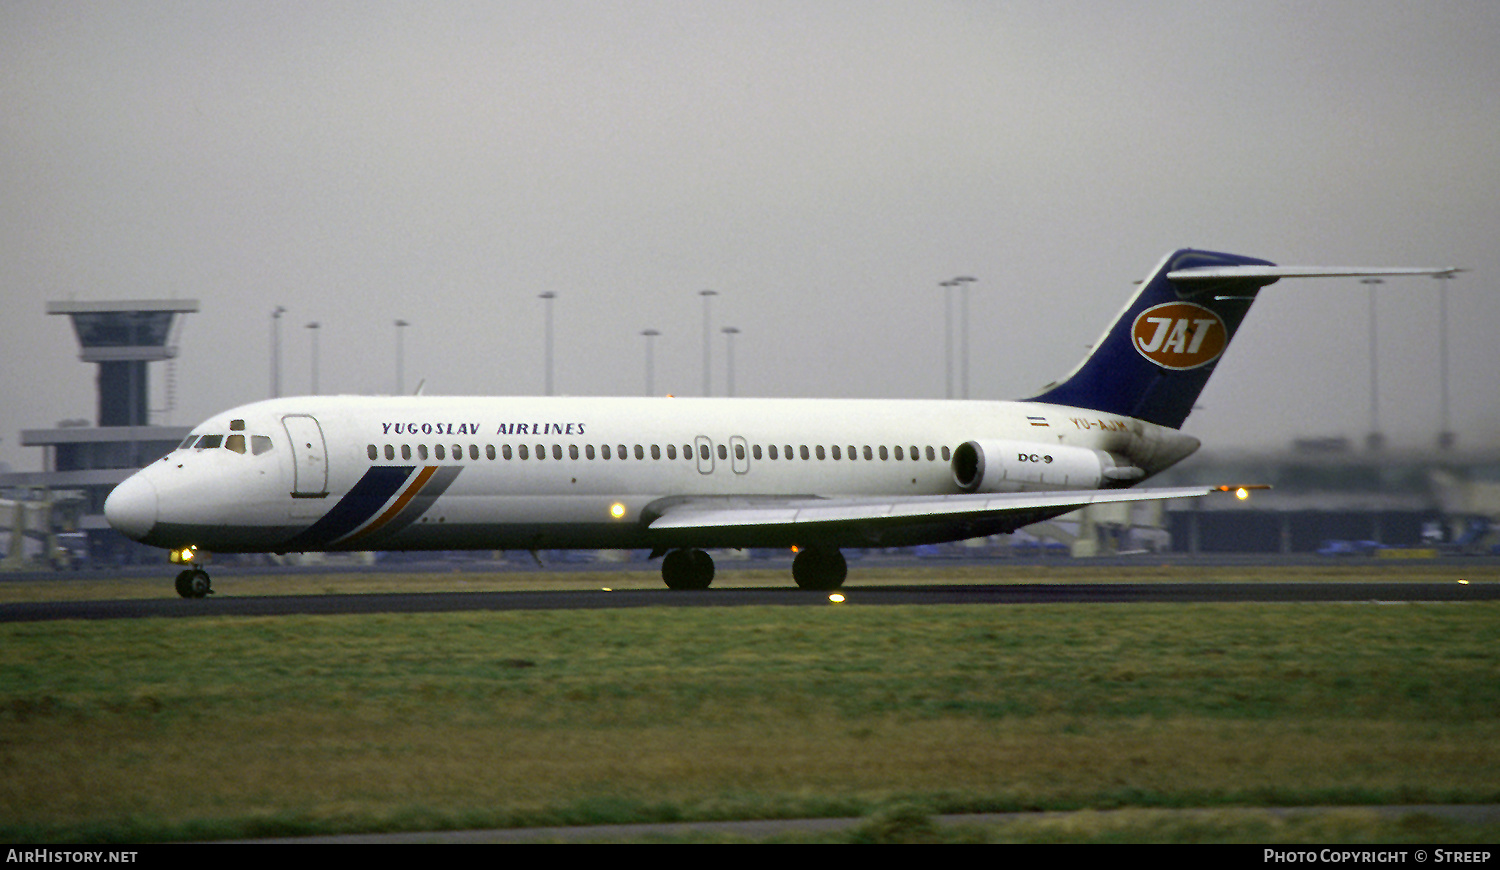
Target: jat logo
1179 335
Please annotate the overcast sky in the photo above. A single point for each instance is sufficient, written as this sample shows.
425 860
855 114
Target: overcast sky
821 165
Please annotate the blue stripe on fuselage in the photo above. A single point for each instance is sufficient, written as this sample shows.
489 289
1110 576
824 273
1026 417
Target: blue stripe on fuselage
367 496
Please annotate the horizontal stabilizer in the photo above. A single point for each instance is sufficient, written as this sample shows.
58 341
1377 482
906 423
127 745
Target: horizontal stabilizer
1267 274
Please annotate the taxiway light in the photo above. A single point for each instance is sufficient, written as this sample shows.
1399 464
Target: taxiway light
1242 493
617 510
836 598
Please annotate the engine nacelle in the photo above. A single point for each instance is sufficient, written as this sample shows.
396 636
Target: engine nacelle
1010 466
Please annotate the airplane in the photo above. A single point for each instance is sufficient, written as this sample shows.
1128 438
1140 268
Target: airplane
681 476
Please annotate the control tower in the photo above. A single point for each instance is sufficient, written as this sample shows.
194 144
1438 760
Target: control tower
83 463
122 337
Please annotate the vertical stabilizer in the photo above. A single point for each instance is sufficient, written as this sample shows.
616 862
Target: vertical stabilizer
1155 358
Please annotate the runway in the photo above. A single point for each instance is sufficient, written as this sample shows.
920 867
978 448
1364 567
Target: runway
853 595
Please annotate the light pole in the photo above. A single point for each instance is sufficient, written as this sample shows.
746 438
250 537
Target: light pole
729 333
313 328
547 303
1375 439
1446 438
276 351
650 335
948 333
708 296
400 359
963 325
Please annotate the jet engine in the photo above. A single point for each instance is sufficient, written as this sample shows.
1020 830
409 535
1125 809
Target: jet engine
1011 466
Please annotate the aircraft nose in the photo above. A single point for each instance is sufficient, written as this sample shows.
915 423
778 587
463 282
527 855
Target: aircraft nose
131 508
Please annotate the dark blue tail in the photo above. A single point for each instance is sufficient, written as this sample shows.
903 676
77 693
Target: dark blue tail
1155 359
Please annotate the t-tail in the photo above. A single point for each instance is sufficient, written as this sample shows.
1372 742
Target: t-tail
1154 360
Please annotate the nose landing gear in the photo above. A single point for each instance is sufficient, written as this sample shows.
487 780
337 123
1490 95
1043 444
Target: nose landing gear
193 583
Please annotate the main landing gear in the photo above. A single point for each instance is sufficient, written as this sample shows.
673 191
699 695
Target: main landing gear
193 583
819 568
687 569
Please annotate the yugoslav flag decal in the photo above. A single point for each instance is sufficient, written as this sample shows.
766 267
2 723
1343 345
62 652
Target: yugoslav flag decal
1179 335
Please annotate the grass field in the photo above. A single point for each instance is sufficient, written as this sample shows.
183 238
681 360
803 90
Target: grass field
233 727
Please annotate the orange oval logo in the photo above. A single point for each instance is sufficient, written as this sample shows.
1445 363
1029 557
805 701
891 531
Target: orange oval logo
1179 335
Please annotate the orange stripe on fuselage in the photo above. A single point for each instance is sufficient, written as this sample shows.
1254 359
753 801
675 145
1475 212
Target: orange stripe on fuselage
402 501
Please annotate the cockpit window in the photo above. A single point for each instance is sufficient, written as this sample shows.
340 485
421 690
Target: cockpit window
260 444
210 442
235 442
187 442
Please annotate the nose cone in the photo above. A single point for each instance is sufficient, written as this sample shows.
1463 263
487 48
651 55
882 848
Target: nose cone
131 508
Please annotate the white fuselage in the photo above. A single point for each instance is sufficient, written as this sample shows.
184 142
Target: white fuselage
411 473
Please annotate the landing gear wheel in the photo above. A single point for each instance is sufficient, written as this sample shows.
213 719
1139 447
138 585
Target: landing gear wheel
193 583
687 569
819 568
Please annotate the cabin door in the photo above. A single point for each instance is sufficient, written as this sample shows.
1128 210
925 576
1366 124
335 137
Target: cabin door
309 456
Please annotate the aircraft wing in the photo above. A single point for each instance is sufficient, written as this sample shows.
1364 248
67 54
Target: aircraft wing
810 512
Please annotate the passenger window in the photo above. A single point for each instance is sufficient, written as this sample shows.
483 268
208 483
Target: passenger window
605 451
723 453
406 451
458 451
655 451
930 455
899 456
947 454
489 452
868 455
739 451
572 451
640 453
505 451
671 451
884 454
837 454
703 452
521 452
588 450
789 451
622 453
771 451
437 452
262 444
422 452
804 451
853 454
755 452
373 451
821 456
